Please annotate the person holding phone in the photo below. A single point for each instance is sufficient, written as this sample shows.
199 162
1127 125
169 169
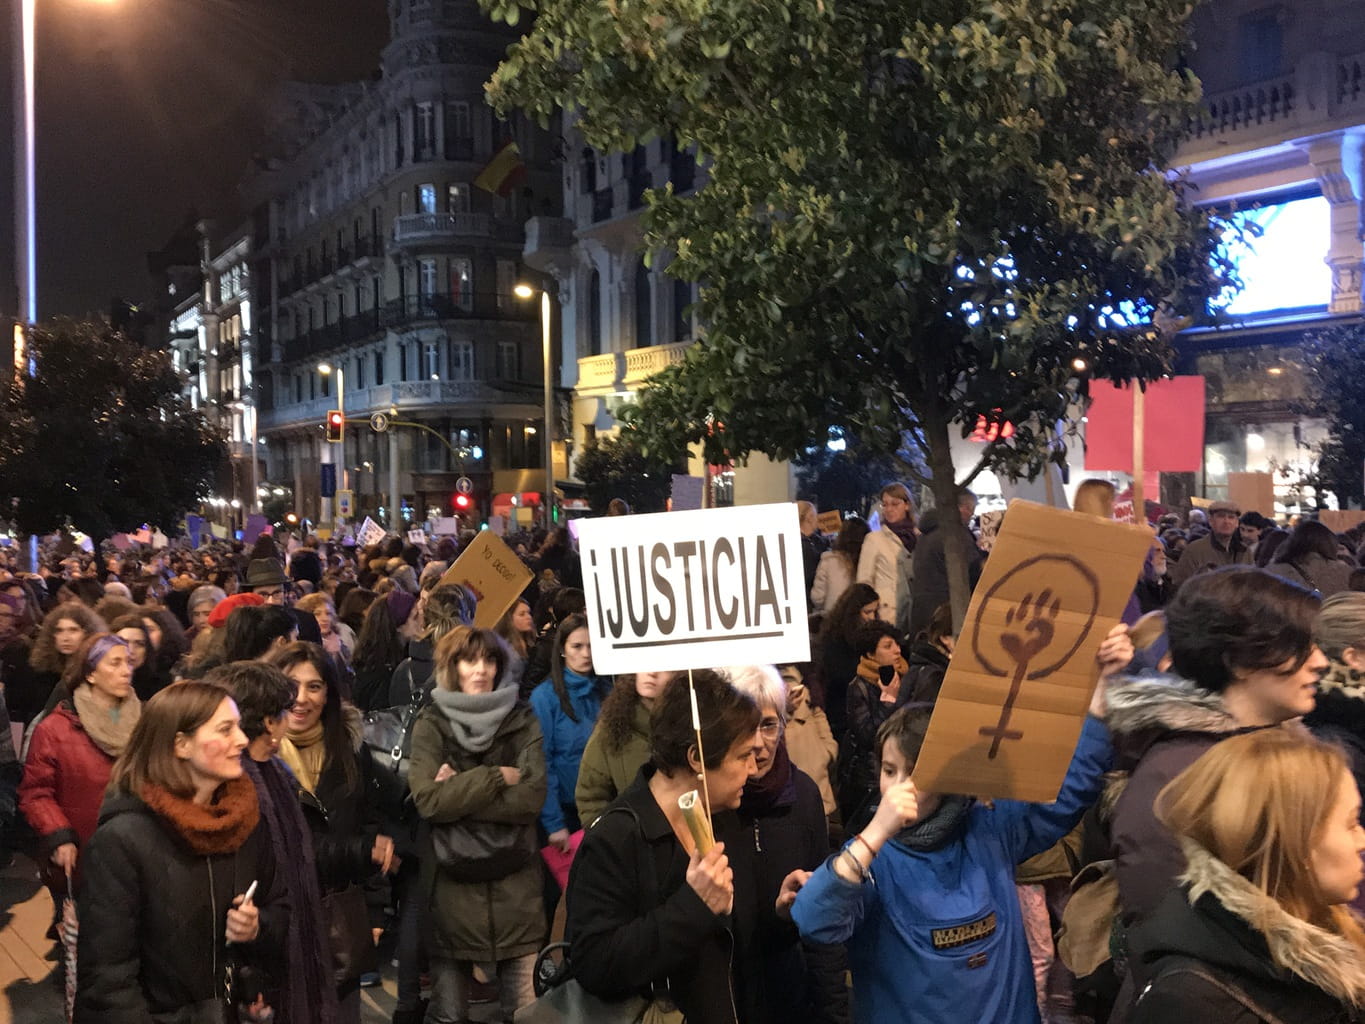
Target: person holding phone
873 695
169 871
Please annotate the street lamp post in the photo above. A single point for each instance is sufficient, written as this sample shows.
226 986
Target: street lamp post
526 291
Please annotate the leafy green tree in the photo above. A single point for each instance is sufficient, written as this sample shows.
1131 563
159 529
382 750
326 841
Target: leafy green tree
100 438
1334 377
615 467
916 213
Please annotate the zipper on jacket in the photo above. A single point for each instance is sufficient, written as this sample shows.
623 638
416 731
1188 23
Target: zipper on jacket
213 925
758 840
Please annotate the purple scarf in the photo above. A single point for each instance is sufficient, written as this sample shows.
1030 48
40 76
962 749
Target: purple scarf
307 990
905 530
774 789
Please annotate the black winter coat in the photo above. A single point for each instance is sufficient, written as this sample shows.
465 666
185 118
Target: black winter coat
859 758
928 666
929 579
153 919
1206 963
778 978
634 922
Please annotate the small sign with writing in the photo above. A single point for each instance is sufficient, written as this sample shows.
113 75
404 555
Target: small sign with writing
697 589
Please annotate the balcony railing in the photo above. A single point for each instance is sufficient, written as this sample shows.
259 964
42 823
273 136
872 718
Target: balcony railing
602 371
1238 109
347 331
643 363
421 227
444 306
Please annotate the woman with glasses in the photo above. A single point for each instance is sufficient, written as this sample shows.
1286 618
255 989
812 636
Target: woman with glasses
778 837
72 754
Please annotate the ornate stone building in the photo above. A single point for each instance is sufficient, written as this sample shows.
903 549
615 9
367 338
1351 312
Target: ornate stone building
385 279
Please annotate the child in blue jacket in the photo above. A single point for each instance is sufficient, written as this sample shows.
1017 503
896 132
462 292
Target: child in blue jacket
924 896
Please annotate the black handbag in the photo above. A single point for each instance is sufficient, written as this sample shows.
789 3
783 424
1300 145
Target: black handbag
482 851
388 735
348 934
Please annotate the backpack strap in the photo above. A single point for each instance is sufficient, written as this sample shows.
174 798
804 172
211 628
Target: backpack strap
1194 969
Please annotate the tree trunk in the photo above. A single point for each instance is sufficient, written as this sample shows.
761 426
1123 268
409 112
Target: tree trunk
945 490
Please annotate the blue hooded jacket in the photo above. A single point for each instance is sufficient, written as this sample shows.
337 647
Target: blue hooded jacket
937 937
565 739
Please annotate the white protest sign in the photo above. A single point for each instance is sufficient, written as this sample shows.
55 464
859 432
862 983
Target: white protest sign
369 533
696 589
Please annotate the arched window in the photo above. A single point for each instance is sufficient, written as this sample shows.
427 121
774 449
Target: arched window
644 307
595 314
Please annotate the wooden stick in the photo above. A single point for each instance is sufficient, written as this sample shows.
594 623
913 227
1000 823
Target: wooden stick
701 753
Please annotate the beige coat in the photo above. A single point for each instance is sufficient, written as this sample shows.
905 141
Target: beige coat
812 747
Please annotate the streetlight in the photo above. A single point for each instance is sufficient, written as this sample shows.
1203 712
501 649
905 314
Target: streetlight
25 184
326 369
526 291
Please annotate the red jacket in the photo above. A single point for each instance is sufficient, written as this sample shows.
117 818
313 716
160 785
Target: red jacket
64 780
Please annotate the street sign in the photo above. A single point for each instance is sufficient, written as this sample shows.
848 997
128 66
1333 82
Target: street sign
464 485
344 501
379 422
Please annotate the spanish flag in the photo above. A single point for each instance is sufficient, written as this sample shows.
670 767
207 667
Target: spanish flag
504 172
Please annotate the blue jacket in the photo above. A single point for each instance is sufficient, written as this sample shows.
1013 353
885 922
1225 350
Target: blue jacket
937 936
565 739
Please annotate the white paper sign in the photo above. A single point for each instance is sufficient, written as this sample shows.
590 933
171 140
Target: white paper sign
698 589
369 533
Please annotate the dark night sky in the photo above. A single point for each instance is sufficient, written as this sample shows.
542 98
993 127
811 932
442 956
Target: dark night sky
148 108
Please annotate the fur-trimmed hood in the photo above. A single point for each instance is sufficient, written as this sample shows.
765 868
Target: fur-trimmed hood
1322 959
1162 703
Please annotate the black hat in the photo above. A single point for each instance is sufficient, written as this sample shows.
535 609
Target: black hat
264 572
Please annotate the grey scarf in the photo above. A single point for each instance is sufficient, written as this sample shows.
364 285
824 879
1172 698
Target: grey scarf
475 717
937 829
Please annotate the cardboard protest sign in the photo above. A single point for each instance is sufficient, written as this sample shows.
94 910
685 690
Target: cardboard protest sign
1252 492
1023 670
687 492
1341 521
490 569
829 522
680 590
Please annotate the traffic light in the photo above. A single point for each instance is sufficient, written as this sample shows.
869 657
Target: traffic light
336 422
462 502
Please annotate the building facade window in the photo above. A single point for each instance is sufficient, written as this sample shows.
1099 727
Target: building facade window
644 307
459 131
402 360
426 198
432 361
424 131
461 361
426 278
507 281
509 360
379 367
457 197
462 283
595 313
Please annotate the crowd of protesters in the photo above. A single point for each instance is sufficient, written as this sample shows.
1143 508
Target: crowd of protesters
253 769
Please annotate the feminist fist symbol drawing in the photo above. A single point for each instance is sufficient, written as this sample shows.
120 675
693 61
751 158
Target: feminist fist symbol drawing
1032 630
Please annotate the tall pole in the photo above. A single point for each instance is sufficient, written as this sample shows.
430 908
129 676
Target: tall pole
25 210
549 408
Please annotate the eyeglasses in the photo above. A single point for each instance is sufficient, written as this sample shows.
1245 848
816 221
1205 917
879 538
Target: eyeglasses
770 728
268 594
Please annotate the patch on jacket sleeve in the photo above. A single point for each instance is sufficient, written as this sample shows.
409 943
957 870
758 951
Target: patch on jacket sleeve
961 934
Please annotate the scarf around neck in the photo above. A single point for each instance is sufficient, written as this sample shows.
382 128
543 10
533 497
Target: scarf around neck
867 669
221 827
309 993
939 828
762 795
306 755
108 728
476 717
905 533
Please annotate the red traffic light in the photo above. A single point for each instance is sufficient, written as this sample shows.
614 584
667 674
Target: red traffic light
462 502
336 422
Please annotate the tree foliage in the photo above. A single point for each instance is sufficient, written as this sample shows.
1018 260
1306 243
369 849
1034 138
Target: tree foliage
100 438
848 480
916 213
1334 372
615 467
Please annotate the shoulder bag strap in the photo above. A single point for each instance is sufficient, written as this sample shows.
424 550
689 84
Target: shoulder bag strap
1231 991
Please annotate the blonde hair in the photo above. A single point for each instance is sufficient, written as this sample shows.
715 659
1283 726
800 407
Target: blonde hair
1259 803
1095 498
1340 623
310 603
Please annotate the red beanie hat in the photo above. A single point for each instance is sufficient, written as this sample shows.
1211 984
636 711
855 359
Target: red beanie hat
219 616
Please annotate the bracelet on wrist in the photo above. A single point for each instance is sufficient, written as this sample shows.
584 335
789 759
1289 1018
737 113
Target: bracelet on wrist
858 838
